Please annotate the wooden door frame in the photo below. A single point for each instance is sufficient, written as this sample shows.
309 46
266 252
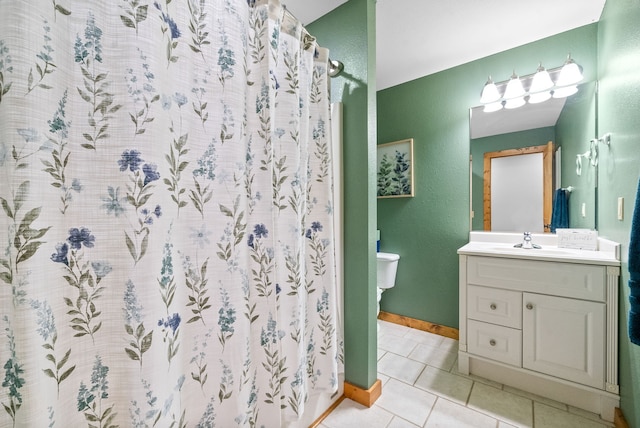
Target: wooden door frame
547 151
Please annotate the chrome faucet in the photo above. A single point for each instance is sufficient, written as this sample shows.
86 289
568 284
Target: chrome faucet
526 242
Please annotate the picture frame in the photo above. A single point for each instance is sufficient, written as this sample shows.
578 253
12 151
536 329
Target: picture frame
394 168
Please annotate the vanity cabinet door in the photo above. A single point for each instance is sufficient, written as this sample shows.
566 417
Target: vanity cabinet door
564 338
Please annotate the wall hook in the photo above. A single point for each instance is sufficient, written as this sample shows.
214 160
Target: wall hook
606 139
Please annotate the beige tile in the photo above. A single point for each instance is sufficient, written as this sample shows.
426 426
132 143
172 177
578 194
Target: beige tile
589 415
434 356
381 352
501 405
449 344
398 422
350 414
445 384
396 344
406 401
387 327
400 367
534 397
447 414
550 417
424 337
454 370
383 378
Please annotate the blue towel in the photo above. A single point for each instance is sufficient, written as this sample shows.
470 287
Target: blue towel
560 212
634 274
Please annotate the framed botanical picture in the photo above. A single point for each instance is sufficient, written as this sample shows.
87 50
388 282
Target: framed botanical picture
395 169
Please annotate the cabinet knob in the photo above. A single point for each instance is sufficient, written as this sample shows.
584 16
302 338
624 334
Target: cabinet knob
529 306
492 342
493 306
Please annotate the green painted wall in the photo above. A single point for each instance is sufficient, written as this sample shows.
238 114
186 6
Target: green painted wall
619 113
575 129
434 110
349 33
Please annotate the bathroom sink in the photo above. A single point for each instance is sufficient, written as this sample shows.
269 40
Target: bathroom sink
500 244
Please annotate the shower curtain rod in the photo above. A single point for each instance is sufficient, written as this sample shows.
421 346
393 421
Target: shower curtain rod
335 67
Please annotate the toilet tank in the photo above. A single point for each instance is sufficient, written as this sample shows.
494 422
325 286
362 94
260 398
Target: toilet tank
387 266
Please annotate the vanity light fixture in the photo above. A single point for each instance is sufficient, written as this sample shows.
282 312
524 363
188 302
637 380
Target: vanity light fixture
490 92
541 85
514 94
535 88
570 73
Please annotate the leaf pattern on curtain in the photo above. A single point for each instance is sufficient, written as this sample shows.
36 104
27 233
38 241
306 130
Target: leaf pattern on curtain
167 250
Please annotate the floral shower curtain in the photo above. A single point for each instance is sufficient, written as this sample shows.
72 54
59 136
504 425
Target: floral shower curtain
167 250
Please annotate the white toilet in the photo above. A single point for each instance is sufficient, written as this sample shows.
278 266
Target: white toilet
387 266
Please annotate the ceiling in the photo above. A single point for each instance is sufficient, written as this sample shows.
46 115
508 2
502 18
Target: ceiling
415 38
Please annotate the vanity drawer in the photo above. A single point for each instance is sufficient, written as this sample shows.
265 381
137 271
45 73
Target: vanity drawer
499 343
496 306
580 281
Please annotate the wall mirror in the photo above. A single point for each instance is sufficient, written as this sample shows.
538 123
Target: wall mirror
569 124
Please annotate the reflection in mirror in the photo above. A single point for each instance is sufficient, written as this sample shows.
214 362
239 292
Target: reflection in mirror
570 125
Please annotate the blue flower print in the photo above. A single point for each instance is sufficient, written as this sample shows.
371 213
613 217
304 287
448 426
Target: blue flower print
101 269
130 159
250 241
175 32
112 202
260 231
60 256
29 134
166 102
46 320
150 173
78 237
172 322
148 215
316 226
180 99
200 236
76 185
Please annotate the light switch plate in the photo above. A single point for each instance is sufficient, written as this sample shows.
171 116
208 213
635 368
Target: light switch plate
620 208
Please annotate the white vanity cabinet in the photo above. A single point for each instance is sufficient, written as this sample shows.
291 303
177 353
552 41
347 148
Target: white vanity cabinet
564 338
542 322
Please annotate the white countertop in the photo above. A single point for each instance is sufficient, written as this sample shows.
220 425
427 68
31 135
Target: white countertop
495 244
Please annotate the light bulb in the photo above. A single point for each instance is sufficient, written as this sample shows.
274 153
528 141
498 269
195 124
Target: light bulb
491 107
514 88
539 97
565 92
490 93
541 81
514 103
570 74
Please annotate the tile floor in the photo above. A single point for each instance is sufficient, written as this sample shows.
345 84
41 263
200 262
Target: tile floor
421 387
